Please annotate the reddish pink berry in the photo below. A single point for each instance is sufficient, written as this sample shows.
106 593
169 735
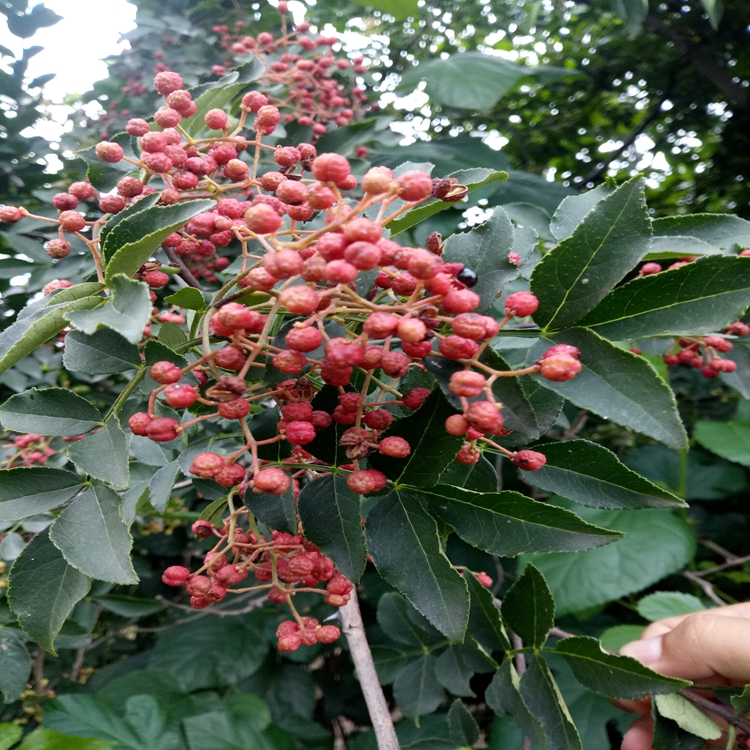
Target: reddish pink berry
331 168
301 300
283 264
57 249
467 383
564 349
165 372
364 482
395 447
207 465
139 423
648 269
411 330
415 185
167 82
300 433
289 362
111 204
529 460
230 358
395 364
262 219
137 127
162 429
82 190
180 395
156 279
175 575
468 455
64 201
457 425
521 304
109 152
236 409
327 634
304 339
483 579
485 417
216 119
457 347
72 221
272 481
460 301
560 368
414 398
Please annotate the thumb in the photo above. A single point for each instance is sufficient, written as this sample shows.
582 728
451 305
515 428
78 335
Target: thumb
699 648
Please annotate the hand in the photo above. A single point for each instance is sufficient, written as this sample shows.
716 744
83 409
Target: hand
709 648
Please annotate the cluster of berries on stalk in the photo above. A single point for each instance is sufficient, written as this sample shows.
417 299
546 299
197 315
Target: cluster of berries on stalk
25 450
704 353
282 564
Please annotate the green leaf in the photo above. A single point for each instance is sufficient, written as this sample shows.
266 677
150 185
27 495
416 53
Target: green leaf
687 716
485 624
509 524
43 589
432 448
388 663
453 674
485 251
679 234
529 609
188 297
473 179
52 411
48 739
210 653
399 9
669 736
612 675
633 12
155 351
160 486
331 517
592 475
700 297
480 477
614 638
573 210
42 320
576 275
142 203
617 385
403 540
127 312
103 353
15 666
656 544
473 80
278 512
541 694
219 94
92 536
402 623
171 335
103 454
504 698
9 735
129 606
730 440
27 491
416 690
464 727
663 604
132 242
741 703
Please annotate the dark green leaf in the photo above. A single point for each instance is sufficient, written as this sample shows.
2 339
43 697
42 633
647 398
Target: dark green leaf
416 690
210 653
278 512
432 448
156 351
48 739
541 694
485 624
573 277
464 727
722 231
395 621
129 606
136 238
741 703
669 736
656 544
663 604
617 385
43 589
44 319
15 665
504 698
92 536
103 454
700 297
388 663
160 486
27 491
633 12
127 313
473 179
332 518
592 475
142 203
688 717
188 297
573 210
480 477
453 674
171 335
103 353
52 411
403 540
612 675
730 440
509 524
529 608
485 250
473 80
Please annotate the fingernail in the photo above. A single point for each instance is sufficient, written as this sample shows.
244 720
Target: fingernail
647 651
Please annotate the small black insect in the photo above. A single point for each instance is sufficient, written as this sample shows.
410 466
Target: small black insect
467 277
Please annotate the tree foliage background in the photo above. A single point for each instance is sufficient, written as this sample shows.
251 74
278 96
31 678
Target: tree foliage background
570 94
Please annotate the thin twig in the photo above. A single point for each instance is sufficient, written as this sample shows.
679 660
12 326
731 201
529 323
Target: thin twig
519 660
185 273
351 619
708 588
728 564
